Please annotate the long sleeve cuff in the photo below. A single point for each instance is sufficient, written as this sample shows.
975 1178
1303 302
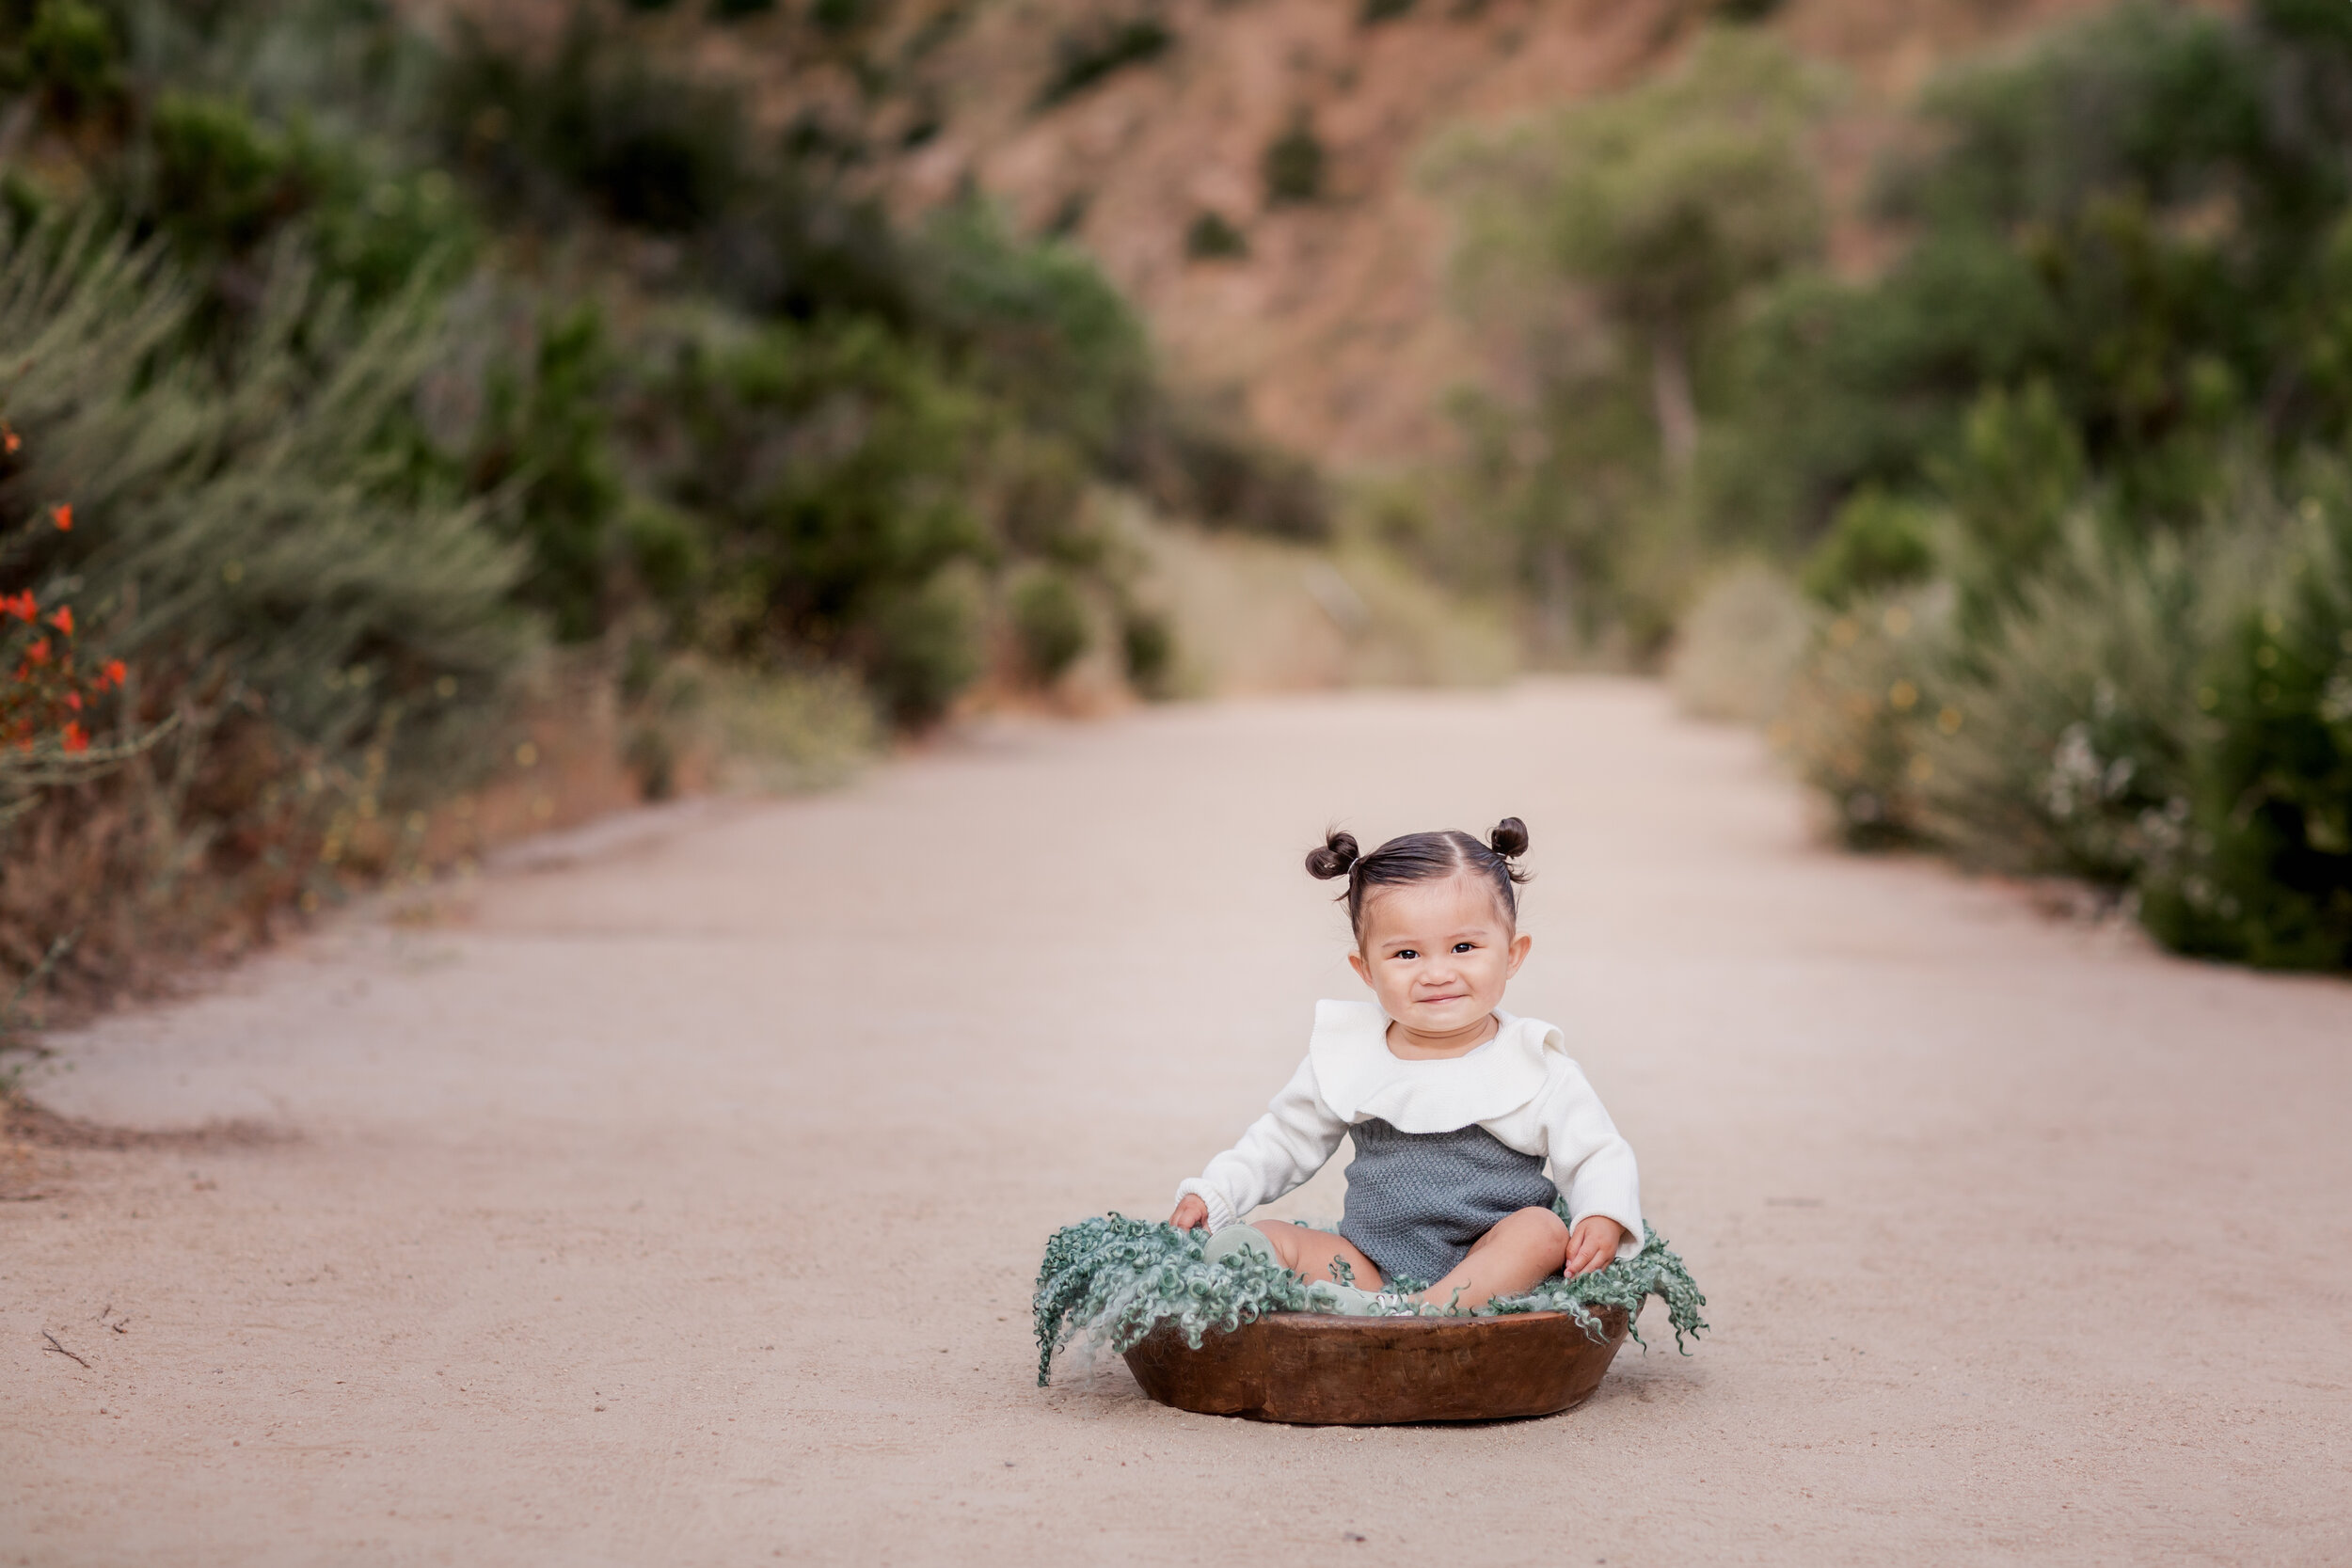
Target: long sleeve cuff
1220 1212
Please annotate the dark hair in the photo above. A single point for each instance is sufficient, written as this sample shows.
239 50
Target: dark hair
1421 858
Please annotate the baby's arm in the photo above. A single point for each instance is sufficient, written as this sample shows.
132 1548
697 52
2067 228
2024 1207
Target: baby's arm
1593 1166
1280 1150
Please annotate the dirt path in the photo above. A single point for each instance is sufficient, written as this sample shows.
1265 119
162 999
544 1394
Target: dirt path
2021 1243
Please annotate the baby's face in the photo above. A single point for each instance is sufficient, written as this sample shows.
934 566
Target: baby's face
1439 954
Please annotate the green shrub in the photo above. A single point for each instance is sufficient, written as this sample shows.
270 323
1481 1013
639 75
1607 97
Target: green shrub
1147 647
1211 237
1877 541
922 647
1049 622
2065 743
841 16
597 126
545 452
223 185
2265 877
313 647
73 56
832 467
243 514
1860 707
1098 48
1205 463
1036 324
1294 164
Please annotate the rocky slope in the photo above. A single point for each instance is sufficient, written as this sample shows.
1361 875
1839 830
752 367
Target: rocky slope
1144 128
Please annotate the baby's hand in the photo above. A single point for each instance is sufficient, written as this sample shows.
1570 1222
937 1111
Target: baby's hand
1593 1243
1192 1212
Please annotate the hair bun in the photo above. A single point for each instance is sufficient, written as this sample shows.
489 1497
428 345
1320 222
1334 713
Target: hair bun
1334 857
1509 838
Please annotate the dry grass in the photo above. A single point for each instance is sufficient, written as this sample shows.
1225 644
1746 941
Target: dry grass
1258 615
1741 646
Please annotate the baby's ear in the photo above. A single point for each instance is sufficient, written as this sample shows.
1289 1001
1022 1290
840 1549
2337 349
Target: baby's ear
1519 947
1363 970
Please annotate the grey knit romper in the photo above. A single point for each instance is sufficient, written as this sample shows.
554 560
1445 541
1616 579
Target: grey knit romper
1417 1200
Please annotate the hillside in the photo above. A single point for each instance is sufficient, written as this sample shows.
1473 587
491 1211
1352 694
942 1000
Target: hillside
1129 124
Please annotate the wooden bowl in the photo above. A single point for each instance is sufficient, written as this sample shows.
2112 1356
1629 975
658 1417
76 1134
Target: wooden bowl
1315 1370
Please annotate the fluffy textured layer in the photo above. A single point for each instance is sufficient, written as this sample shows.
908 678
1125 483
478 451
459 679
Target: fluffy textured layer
1114 1280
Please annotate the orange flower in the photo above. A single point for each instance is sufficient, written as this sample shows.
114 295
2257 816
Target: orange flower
76 738
63 516
63 619
10 440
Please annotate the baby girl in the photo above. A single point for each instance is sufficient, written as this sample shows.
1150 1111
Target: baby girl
1456 1107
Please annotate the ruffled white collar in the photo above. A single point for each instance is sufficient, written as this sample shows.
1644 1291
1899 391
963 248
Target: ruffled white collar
1360 1078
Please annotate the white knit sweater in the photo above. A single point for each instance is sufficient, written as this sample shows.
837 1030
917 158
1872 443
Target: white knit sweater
1520 1086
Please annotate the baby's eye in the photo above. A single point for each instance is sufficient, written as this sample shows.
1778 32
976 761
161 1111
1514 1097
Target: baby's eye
1464 946
1408 953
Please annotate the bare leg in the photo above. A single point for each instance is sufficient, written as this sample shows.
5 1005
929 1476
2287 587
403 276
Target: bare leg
1523 1248
1313 1252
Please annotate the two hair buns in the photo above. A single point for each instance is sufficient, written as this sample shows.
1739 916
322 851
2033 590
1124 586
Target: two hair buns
1337 855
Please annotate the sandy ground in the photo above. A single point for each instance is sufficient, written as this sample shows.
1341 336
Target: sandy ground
678 1202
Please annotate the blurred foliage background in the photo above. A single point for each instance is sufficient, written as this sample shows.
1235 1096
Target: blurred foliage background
467 430
446 418
2041 526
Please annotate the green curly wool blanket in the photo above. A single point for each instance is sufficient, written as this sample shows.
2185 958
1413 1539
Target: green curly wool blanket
1115 1280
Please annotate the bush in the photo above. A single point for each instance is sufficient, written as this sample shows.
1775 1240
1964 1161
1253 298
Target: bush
1294 165
1858 710
2170 721
598 126
1202 463
544 451
243 516
1877 541
1211 237
70 54
2265 876
923 648
224 185
1099 48
1036 324
310 646
1147 647
832 467
1049 622
2065 743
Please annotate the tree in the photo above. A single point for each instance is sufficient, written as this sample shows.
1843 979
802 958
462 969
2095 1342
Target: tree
1668 202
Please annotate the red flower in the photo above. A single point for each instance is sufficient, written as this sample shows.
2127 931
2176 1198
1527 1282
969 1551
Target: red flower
22 606
74 701
10 440
63 515
76 738
38 652
63 620
112 675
